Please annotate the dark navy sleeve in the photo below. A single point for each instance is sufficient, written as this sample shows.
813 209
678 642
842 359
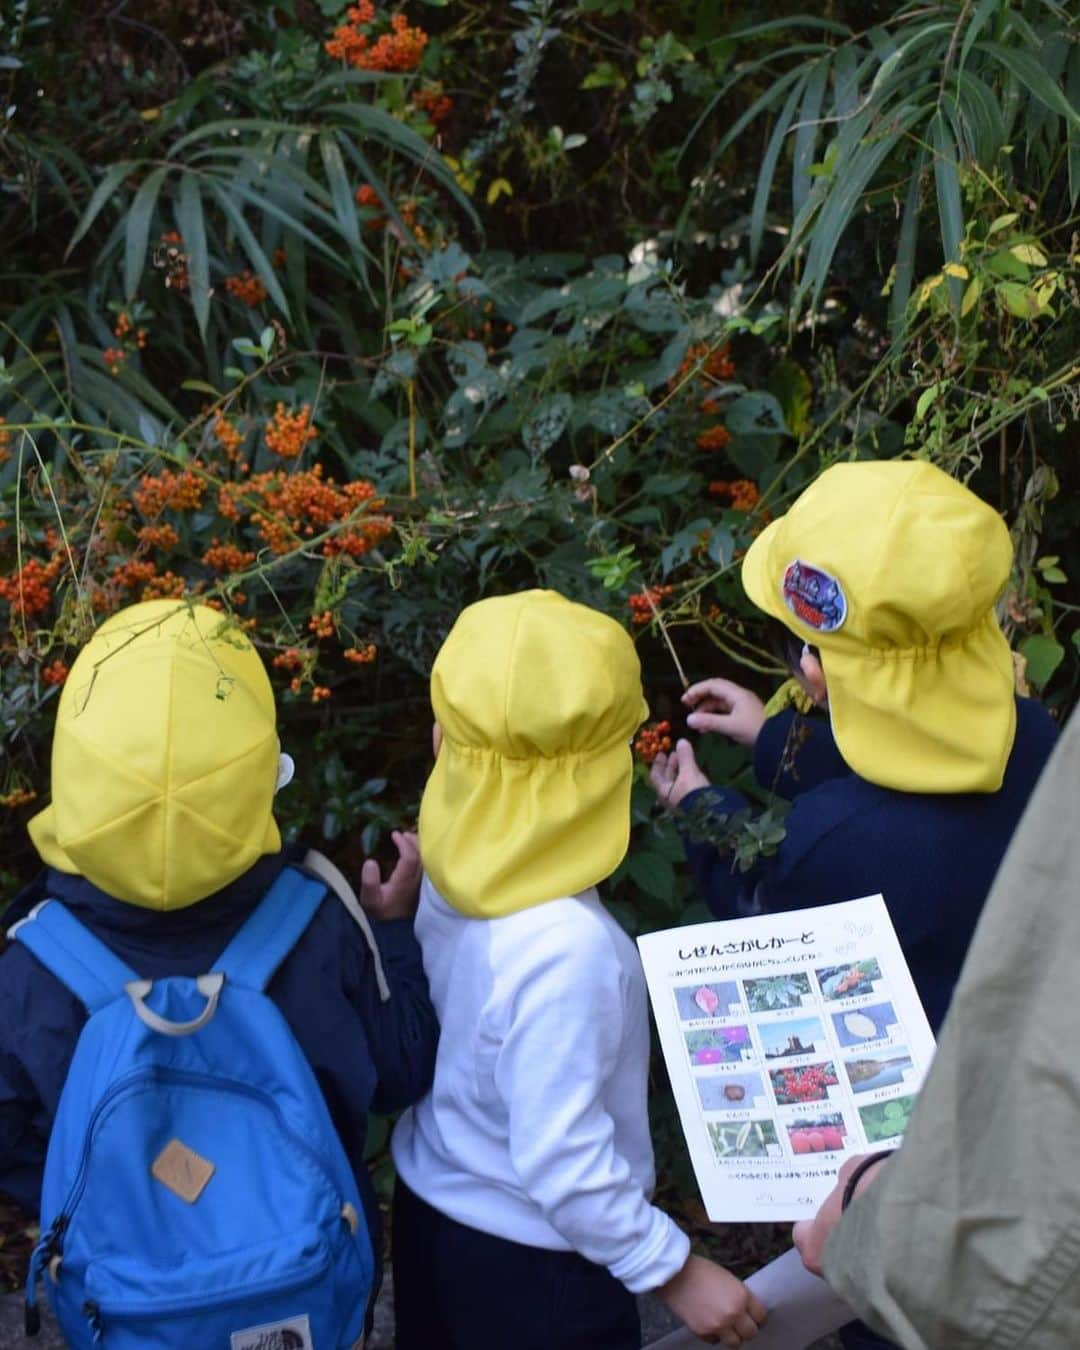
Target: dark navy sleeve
403 1031
794 754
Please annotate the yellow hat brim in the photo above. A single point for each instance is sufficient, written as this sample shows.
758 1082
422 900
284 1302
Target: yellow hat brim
499 834
756 570
940 720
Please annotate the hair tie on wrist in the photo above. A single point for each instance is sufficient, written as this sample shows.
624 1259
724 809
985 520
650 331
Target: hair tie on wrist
859 1173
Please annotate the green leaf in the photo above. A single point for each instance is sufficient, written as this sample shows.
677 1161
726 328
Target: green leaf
1032 75
653 874
191 225
1043 656
114 176
1020 300
341 190
806 134
971 296
768 168
258 259
905 248
950 207
138 229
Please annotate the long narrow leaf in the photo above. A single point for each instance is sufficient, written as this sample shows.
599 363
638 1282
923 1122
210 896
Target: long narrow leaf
1033 77
138 229
114 176
806 135
341 190
977 22
258 259
949 203
191 223
905 251
768 166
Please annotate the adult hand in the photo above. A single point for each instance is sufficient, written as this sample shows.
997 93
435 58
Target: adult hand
673 776
726 707
811 1235
714 1304
396 897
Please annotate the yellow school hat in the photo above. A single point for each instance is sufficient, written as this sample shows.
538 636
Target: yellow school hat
164 758
892 569
529 799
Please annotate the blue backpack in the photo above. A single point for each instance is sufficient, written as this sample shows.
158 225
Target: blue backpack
195 1193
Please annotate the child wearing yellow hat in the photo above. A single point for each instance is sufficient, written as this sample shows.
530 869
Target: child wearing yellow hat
885 575
522 1218
160 841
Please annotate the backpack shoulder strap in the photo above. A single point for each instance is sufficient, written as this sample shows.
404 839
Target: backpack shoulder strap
318 865
272 930
68 949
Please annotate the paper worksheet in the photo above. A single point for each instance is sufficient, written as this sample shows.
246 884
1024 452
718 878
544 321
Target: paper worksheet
792 1041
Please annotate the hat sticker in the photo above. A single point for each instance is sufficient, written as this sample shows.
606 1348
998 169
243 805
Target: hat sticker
814 596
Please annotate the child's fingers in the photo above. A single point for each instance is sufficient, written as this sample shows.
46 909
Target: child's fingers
756 1308
745 1327
407 845
723 690
370 882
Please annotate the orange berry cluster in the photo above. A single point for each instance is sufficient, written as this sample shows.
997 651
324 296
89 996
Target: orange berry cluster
163 537
167 586
652 740
249 289
179 491
432 101
228 557
288 507
715 365
742 493
30 590
227 436
714 438
5 442
288 433
322 625
56 672
125 326
114 358
643 603
361 656
398 51
18 797
319 693
130 575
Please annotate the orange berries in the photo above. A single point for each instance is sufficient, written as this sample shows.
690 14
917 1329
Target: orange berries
56 672
228 557
227 436
400 50
249 289
322 625
714 438
288 433
163 537
114 358
643 603
715 365
18 796
652 740
361 656
30 590
178 491
5 442
432 101
742 493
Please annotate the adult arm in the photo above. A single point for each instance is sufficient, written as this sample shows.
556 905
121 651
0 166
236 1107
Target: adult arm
970 1236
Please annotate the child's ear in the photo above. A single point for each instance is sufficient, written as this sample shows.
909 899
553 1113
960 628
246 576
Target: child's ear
436 738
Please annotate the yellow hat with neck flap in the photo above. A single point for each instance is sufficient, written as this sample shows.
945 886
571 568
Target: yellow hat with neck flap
164 758
529 799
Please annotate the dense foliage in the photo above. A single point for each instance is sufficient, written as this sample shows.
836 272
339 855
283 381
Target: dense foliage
340 317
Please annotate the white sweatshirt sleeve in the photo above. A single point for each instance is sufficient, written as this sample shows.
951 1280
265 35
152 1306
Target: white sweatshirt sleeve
563 1038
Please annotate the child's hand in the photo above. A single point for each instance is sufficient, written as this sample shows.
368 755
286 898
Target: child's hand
721 705
394 898
673 776
715 1305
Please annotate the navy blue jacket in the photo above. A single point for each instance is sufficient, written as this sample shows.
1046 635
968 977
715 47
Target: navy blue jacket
932 856
367 1055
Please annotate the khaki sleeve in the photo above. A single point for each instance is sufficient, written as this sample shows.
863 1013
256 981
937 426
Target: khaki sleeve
970 1236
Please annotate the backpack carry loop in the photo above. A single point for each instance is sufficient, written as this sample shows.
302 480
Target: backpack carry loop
208 985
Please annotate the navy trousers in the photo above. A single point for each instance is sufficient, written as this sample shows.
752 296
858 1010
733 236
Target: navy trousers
456 1288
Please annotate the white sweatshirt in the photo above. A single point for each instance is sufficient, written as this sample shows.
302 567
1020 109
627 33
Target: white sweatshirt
536 1127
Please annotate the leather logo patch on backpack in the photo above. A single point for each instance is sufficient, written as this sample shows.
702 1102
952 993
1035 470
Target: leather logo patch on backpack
292 1334
182 1170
